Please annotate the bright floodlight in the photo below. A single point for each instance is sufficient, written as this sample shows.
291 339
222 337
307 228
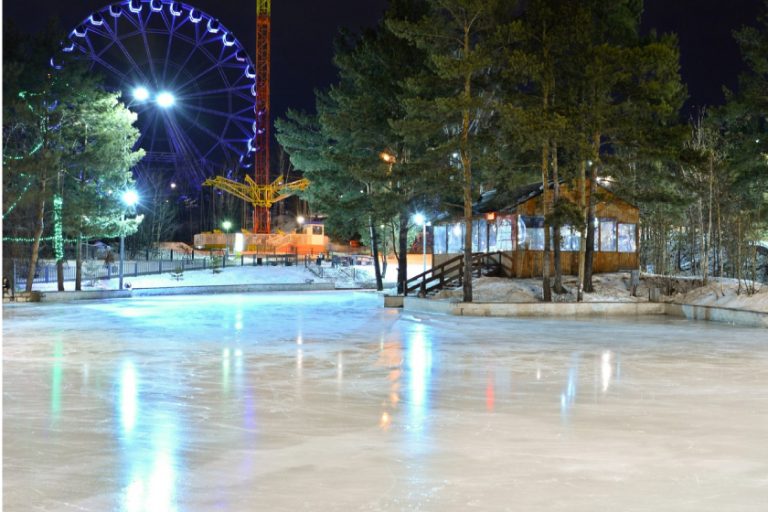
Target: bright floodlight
419 219
130 197
300 219
226 225
165 99
140 94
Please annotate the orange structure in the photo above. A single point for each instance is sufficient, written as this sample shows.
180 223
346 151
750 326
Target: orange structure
261 220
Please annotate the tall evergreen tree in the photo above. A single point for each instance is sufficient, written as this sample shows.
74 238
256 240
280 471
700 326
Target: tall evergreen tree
449 116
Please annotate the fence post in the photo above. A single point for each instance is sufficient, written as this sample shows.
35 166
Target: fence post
171 254
160 266
135 269
46 273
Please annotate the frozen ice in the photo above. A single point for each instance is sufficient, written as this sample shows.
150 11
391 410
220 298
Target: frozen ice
327 401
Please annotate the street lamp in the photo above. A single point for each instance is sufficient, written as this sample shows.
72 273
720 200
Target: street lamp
300 222
165 99
130 198
388 158
141 93
421 220
226 225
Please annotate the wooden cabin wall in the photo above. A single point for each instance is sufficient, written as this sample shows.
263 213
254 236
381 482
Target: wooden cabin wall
529 263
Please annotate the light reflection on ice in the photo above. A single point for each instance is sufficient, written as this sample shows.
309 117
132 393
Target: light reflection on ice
56 378
568 396
128 402
419 375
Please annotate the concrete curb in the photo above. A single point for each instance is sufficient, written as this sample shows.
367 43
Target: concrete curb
184 290
738 317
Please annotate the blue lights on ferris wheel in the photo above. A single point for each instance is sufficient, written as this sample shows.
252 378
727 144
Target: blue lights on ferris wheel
213 26
195 16
79 31
175 8
96 19
115 11
134 6
228 39
249 72
241 56
67 46
156 5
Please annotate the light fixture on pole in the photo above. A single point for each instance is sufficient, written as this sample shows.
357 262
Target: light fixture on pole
420 219
141 93
130 198
226 225
165 99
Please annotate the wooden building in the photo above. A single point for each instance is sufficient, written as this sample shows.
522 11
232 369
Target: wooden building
517 229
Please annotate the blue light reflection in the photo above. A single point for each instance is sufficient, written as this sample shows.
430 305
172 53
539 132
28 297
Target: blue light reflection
418 377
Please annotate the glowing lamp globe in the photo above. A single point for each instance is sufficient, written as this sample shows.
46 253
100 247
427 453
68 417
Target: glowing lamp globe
140 94
165 99
130 197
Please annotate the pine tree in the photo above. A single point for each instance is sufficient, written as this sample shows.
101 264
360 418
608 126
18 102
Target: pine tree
449 115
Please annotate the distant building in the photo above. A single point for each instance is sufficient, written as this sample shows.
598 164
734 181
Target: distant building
517 229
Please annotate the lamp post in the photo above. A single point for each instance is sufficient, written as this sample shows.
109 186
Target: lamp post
421 220
130 198
226 225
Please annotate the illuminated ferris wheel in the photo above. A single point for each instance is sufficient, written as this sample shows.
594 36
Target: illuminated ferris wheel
186 76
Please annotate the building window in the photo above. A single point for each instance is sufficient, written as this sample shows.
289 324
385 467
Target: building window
439 241
569 238
504 233
455 238
478 235
531 233
607 235
627 238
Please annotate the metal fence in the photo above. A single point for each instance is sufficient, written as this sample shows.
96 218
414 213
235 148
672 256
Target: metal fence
95 270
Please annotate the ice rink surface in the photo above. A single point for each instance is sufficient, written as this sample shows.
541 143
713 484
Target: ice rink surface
328 402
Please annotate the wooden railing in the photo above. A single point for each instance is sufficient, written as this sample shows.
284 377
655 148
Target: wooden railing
452 270
436 277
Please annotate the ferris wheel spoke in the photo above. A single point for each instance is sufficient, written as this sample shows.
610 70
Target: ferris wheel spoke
119 43
150 61
217 113
223 90
208 131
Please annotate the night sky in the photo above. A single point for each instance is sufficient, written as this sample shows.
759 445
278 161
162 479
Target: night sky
303 33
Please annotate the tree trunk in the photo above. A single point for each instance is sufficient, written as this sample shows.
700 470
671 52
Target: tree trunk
375 254
582 232
60 275
39 224
79 262
545 283
466 163
402 257
589 250
558 284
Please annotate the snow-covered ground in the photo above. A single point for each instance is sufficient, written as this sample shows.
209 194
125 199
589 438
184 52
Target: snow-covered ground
614 287
611 287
